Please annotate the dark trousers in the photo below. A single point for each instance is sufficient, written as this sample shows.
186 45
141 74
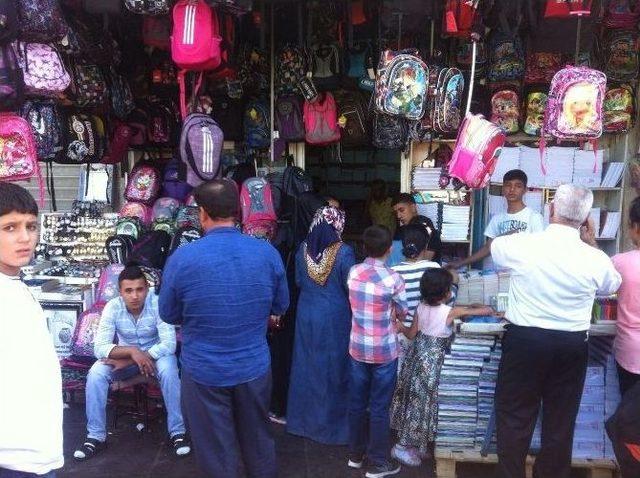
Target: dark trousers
371 387
537 366
229 425
4 473
626 379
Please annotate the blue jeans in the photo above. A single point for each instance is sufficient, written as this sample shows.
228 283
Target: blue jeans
100 377
4 473
371 387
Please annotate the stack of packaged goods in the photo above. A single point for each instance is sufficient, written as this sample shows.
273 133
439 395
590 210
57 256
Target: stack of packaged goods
611 401
486 396
588 439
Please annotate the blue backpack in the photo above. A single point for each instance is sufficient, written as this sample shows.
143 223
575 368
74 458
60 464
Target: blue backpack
257 128
172 184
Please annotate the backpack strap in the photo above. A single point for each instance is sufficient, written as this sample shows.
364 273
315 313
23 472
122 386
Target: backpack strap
183 93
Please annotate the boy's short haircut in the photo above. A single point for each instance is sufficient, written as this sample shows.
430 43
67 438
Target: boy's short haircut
435 284
404 198
14 198
131 272
634 211
516 175
377 241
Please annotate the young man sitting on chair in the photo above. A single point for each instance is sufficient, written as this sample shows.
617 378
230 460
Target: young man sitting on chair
145 346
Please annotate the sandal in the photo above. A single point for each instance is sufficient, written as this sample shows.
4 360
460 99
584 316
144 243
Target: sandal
89 449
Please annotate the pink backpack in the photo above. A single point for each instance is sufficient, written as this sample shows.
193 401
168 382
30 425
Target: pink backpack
108 283
85 333
18 153
137 210
144 184
259 217
43 70
476 152
195 39
321 120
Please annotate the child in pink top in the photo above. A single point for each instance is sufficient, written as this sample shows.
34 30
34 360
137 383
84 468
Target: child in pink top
414 411
627 343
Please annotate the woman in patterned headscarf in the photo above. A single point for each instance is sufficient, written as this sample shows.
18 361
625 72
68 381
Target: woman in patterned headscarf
320 374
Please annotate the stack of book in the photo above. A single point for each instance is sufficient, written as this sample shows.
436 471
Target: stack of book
427 179
455 222
612 175
587 168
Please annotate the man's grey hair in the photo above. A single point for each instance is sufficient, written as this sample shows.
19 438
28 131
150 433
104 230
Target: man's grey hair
572 203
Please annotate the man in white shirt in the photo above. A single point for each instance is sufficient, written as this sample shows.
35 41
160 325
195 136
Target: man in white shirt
555 276
31 395
518 218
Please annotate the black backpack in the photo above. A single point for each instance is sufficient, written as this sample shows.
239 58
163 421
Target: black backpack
352 106
48 126
278 197
11 81
119 248
184 236
389 132
296 181
228 113
8 21
85 139
151 250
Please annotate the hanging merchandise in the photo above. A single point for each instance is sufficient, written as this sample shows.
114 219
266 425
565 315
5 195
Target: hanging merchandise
291 64
195 39
11 79
448 101
228 113
288 118
353 118
41 21
118 144
83 139
358 59
622 14
188 216
619 109
184 236
42 68
325 61
118 248
144 184
156 31
541 66
464 57
566 8
148 7
505 110
506 58
321 121
459 17
401 84
8 21
253 72
201 142
172 185
48 126
259 217
133 218
165 208
163 126
88 85
122 101
151 250
621 56
389 132
138 120
476 152
536 104
257 129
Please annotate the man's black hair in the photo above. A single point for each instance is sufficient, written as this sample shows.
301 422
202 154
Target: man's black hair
219 198
131 273
435 284
377 241
405 198
516 174
14 198
634 211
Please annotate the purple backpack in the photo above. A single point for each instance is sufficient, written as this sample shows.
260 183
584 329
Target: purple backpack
108 283
144 184
41 20
85 333
11 82
42 68
289 121
165 208
172 185
200 147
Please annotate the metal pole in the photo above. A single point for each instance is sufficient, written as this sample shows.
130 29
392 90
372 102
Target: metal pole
272 89
577 54
473 74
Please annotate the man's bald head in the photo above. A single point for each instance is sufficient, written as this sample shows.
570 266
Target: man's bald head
218 198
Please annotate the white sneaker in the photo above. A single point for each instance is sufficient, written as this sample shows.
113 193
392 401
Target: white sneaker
406 455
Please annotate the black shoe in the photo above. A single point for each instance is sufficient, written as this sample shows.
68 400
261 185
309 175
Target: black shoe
356 460
181 446
392 467
89 449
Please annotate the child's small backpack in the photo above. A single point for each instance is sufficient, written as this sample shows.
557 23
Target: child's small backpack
89 85
166 225
188 216
165 208
291 68
162 128
356 59
353 119
257 128
172 185
622 14
536 104
321 121
118 145
133 217
402 84
464 58
448 105
541 66
144 183
108 284
41 20
622 58
619 109
43 71
151 250
505 110
258 214
86 329
184 236
288 119
47 124
389 132
506 57
119 246
11 79
476 152
574 106
18 153
195 39
201 143
83 140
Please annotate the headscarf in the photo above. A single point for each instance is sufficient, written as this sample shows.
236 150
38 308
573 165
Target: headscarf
323 242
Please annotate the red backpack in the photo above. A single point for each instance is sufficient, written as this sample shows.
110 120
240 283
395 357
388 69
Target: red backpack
321 120
259 217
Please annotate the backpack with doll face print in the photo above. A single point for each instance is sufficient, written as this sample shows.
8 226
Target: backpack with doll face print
144 184
536 104
505 110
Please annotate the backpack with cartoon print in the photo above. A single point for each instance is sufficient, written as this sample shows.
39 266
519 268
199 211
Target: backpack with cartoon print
536 104
622 59
505 110
448 105
506 57
619 109
144 184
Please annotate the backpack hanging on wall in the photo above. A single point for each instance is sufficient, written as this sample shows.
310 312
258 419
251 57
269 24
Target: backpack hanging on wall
118 248
184 236
195 39
143 185
148 7
48 126
258 214
156 31
448 105
321 121
8 21
41 20
134 217
536 104
151 250
188 216
257 129
619 109
43 70
163 126
118 144
11 79
326 67
288 118
505 110
83 141
459 17
201 143
122 101
228 113
541 66
402 84
353 118
622 58
389 132
89 85
622 14
506 58
172 184
291 64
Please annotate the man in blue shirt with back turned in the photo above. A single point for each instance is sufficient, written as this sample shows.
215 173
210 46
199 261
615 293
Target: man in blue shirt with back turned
222 289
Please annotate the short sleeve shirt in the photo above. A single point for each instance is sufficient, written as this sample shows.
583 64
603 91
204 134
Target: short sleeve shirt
526 220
